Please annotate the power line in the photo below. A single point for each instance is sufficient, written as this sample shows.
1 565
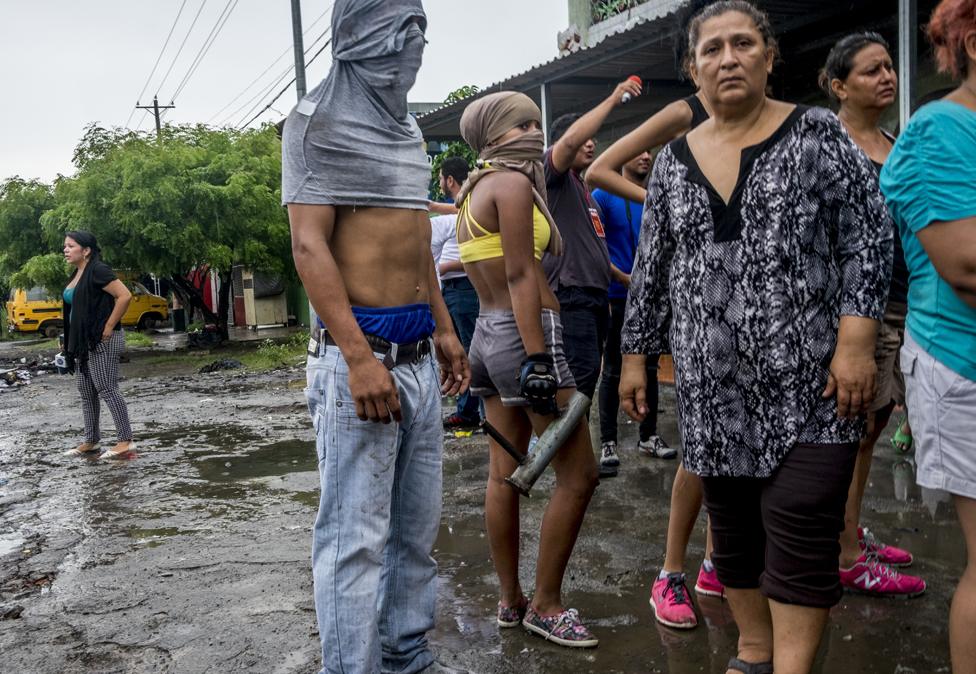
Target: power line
266 70
207 44
255 100
287 87
156 64
182 44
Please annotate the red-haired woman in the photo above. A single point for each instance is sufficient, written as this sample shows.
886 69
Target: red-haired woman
929 181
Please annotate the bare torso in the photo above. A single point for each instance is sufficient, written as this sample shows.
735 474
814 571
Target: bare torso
383 255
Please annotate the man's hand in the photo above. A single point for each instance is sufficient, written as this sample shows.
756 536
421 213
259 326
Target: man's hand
374 391
107 333
454 367
853 380
633 386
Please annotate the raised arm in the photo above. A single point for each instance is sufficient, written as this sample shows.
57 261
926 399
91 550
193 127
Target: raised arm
584 128
671 121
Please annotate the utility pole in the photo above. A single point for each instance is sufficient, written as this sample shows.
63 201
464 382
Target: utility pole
155 107
296 29
299 43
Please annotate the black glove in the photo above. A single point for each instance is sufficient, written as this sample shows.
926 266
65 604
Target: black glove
537 383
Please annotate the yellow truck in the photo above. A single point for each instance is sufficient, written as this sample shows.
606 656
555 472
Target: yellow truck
34 310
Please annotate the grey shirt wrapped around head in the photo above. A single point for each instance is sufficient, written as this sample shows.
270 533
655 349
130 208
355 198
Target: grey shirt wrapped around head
351 141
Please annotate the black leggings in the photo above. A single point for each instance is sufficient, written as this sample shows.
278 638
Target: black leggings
782 534
610 380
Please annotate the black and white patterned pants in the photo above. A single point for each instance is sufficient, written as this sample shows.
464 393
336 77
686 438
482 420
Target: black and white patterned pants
98 377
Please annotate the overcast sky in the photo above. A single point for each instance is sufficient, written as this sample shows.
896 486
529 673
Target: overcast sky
70 62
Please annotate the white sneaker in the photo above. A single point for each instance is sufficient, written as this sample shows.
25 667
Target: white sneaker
657 448
608 454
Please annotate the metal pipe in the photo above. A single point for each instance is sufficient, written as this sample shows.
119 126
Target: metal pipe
546 109
551 441
503 442
907 58
297 39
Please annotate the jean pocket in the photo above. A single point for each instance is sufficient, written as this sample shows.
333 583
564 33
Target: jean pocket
946 382
315 400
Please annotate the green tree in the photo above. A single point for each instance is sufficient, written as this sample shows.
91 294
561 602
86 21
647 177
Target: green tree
49 271
22 203
456 148
461 93
196 197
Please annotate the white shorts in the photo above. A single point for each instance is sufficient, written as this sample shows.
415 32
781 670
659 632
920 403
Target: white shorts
942 411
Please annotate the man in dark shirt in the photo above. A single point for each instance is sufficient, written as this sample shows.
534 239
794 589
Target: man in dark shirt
622 220
581 275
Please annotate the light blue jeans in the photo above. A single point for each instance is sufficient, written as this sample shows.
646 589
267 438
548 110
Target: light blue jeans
379 512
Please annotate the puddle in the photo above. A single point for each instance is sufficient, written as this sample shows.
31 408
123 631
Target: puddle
230 436
308 498
10 543
152 538
279 458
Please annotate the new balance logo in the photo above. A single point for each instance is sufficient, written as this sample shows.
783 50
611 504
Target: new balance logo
866 581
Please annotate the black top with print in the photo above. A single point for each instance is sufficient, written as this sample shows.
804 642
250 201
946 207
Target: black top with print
756 289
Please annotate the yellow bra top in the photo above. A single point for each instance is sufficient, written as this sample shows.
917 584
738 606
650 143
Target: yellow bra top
488 245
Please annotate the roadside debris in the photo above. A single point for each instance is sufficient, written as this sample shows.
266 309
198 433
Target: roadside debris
14 377
223 364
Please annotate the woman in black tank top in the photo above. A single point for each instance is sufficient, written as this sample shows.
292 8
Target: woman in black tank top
859 75
698 112
670 596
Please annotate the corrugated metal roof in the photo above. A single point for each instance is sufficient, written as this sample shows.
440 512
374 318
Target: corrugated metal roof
630 37
806 29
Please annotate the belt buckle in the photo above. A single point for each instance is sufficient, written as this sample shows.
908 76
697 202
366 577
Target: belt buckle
390 359
315 341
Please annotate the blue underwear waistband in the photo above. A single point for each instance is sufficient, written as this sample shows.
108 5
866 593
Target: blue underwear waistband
400 325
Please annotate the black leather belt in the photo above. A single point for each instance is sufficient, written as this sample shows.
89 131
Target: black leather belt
393 354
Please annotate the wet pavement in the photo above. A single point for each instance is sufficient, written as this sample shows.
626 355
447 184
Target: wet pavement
193 556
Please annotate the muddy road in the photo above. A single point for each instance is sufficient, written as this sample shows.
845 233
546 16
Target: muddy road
194 555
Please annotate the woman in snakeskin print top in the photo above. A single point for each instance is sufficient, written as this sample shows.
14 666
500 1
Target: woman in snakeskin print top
763 266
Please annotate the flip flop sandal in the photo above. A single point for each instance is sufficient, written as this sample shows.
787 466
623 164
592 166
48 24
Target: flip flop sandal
78 452
750 667
117 453
901 441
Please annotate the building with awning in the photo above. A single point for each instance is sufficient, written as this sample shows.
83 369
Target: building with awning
643 40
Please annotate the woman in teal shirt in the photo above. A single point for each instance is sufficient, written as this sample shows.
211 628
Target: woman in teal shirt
929 182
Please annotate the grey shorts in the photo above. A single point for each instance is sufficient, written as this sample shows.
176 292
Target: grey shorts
891 335
497 353
940 409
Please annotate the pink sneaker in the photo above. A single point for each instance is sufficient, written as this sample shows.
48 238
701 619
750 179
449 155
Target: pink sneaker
869 575
671 603
708 583
888 554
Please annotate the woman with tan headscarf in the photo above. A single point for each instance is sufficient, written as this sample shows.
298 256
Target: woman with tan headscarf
517 363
